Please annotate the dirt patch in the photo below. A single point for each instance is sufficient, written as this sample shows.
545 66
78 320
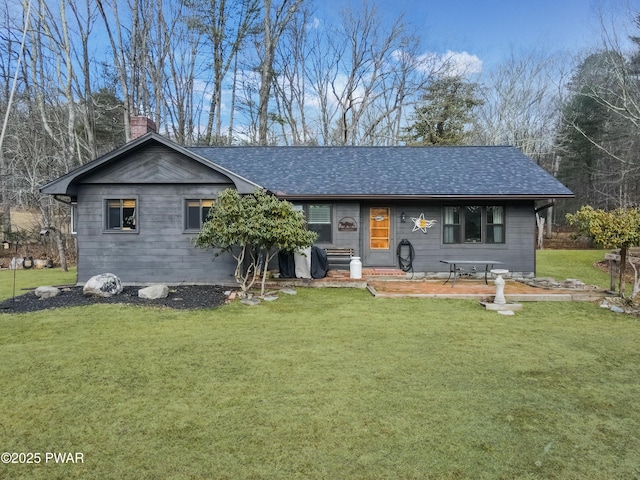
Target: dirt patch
566 240
180 297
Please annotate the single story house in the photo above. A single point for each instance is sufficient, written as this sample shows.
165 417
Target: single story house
136 210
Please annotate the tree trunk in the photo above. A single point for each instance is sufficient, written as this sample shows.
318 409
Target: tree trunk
61 253
540 221
623 269
6 201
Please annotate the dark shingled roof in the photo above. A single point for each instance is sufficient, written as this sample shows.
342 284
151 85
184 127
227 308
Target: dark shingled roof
355 172
298 172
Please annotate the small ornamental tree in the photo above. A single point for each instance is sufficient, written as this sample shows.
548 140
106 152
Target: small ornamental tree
619 228
253 228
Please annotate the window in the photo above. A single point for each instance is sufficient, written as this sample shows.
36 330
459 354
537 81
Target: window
318 220
473 224
196 213
495 225
121 215
451 230
74 218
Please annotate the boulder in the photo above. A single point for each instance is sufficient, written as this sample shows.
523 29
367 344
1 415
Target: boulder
154 292
46 292
103 285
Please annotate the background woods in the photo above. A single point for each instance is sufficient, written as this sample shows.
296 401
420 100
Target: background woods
294 72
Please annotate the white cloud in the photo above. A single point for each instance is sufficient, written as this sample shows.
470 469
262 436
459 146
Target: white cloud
450 63
461 63
314 24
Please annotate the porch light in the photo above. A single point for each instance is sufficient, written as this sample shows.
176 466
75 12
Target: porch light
403 218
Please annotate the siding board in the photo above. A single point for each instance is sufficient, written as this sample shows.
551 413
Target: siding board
160 251
156 165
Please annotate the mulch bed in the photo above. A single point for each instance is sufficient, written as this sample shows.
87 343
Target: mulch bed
180 297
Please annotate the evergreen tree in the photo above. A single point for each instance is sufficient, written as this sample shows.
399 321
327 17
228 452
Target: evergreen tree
597 140
446 108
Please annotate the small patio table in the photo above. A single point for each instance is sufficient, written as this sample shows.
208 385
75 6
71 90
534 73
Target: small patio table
453 267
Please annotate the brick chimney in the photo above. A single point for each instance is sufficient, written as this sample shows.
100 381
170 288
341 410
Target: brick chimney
141 126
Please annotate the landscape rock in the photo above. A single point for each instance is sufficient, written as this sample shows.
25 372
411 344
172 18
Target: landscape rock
250 301
154 292
103 285
616 309
46 292
270 298
288 291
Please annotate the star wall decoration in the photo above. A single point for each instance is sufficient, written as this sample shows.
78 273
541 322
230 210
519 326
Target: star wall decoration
420 223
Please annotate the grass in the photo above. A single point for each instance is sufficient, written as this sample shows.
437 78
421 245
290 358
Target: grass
324 384
31 279
562 264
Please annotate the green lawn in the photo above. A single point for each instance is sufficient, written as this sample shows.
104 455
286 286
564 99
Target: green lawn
562 264
31 279
324 384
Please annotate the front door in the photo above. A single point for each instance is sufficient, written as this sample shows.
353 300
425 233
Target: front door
378 242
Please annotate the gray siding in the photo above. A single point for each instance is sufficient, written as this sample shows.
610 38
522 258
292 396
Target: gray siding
157 164
160 250
517 253
347 239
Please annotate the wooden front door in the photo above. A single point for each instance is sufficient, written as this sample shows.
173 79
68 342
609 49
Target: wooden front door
378 244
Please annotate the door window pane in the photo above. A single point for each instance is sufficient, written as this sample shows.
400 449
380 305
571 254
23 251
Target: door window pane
379 229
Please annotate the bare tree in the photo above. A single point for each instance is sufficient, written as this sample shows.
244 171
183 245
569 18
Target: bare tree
521 103
276 18
225 25
85 17
9 69
369 78
290 84
601 125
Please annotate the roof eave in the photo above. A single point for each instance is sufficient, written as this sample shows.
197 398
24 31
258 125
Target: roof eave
296 196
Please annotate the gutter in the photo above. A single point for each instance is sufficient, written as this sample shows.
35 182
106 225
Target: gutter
544 207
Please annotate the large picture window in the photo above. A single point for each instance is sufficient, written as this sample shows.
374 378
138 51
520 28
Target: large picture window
121 214
318 218
196 213
473 224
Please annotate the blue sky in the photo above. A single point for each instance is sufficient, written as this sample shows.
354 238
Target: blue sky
489 29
